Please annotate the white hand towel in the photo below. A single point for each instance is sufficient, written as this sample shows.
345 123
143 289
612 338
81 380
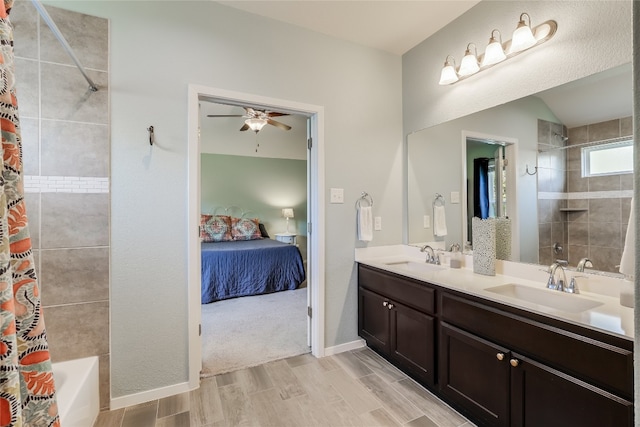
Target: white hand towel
439 221
365 224
627 263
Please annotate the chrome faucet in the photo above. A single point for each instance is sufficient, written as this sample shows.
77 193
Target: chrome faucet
584 262
431 259
552 283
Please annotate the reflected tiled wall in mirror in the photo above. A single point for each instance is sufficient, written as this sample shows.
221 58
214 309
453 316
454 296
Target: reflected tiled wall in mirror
588 216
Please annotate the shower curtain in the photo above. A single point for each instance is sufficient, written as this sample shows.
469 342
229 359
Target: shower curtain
481 188
27 390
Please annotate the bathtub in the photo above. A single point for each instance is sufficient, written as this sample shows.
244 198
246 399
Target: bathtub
77 391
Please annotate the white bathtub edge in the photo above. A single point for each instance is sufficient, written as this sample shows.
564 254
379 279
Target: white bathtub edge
78 391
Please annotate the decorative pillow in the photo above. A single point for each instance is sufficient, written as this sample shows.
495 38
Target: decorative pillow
215 228
245 229
263 231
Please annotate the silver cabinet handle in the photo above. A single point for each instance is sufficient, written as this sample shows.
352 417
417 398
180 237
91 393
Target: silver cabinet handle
390 306
384 304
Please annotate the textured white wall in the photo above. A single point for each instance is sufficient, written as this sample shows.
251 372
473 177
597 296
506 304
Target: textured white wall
157 49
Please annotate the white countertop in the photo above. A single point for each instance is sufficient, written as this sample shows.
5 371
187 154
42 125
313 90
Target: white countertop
609 317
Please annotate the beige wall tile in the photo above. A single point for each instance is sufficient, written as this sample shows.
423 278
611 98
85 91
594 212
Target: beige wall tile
74 275
30 146
87 35
74 220
24 18
604 130
66 95
28 88
86 149
77 330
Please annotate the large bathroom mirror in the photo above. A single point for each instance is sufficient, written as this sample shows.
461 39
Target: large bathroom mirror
558 209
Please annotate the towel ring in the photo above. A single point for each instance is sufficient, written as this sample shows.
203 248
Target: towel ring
364 197
438 199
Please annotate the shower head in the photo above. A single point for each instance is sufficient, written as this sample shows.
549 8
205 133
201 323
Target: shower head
562 137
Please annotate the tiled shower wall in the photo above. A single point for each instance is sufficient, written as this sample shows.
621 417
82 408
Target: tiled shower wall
598 231
595 213
66 166
552 187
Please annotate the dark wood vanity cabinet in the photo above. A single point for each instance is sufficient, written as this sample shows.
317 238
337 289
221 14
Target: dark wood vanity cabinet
395 318
496 364
506 370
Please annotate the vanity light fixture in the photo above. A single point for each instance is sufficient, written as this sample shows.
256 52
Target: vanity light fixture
255 124
524 37
469 64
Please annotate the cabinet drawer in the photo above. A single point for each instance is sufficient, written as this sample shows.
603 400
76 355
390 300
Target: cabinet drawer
599 363
401 289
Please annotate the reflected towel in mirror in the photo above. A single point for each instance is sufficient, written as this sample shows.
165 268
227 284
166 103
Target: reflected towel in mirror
365 224
439 221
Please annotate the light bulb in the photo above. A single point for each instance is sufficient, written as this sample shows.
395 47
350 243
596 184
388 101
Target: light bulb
255 125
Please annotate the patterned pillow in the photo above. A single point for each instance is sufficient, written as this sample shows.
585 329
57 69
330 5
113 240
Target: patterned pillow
245 229
215 228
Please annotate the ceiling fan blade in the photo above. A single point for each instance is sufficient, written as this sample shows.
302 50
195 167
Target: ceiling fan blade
225 115
274 114
245 127
278 124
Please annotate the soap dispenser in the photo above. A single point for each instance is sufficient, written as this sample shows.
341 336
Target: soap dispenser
456 256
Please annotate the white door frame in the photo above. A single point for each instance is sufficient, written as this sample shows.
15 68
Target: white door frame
315 215
511 154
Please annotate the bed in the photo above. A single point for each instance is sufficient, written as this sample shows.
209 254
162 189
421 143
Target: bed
247 263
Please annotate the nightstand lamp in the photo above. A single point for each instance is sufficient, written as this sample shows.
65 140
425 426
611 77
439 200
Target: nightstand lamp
287 213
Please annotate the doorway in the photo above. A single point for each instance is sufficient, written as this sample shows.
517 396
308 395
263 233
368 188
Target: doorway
497 155
315 212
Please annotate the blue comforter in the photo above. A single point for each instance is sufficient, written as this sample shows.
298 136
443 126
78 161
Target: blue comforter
253 267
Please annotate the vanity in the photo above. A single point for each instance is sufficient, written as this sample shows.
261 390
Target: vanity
503 350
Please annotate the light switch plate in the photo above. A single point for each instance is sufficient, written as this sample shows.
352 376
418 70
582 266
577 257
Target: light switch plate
426 221
455 197
337 195
377 223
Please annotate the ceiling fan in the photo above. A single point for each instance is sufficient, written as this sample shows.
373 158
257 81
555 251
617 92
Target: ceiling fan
256 119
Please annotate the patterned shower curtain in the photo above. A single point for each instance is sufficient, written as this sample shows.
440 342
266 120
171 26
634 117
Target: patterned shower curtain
27 390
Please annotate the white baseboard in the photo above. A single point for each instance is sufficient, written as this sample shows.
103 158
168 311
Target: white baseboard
147 396
328 351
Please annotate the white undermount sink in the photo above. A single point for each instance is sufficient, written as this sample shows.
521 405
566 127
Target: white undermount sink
415 266
558 300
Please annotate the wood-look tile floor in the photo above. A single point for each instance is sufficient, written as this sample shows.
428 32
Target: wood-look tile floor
356 388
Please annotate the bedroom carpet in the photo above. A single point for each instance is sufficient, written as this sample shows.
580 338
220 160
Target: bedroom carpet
244 332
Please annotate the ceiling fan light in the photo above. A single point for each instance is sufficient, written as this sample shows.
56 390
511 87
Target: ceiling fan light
469 64
448 74
255 124
494 52
523 36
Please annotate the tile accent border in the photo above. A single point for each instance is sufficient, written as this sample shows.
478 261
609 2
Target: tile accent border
614 194
65 184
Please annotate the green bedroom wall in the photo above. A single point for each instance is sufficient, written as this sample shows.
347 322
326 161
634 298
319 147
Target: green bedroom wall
261 185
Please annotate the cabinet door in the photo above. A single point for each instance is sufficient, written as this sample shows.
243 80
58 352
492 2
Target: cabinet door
474 374
412 340
542 396
373 319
